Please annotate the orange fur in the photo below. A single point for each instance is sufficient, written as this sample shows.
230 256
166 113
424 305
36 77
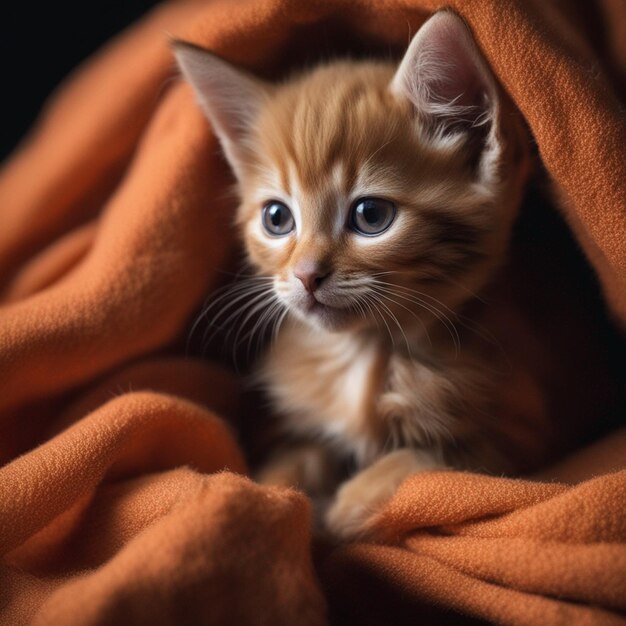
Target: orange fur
368 362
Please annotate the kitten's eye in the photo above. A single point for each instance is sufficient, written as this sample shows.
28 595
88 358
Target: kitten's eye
372 216
277 218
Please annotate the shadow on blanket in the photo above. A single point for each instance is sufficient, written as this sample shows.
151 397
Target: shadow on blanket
122 492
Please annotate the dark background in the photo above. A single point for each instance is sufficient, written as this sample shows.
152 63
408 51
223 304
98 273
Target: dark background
41 42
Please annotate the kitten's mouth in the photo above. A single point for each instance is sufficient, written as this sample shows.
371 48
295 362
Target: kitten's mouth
325 314
314 306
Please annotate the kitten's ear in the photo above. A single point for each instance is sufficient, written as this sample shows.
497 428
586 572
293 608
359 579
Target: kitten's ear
231 98
446 78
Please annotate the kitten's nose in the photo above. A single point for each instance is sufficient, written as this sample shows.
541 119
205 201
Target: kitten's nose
311 275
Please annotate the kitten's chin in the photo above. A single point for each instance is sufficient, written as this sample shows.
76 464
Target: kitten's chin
324 317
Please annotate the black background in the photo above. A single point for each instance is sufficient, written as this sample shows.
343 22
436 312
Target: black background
41 42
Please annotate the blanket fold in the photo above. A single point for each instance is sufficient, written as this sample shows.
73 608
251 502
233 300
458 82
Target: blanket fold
123 489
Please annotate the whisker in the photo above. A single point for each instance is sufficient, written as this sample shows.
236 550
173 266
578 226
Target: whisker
456 283
464 321
231 291
195 325
382 317
397 323
278 322
413 314
255 293
357 304
371 156
487 336
254 307
440 315
261 326
365 304
252 302
212 301
278 315
420 293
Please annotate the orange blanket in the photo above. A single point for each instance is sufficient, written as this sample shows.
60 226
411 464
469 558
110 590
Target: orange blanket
122 496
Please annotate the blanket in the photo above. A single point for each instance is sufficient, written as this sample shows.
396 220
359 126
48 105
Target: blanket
124 496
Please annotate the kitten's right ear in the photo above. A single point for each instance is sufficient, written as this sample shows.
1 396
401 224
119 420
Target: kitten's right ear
231 98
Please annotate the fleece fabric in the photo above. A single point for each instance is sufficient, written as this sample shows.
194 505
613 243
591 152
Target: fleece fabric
123 489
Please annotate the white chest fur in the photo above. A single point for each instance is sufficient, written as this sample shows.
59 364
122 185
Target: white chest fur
327 385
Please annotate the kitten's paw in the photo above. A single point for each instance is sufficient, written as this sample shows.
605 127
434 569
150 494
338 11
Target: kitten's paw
308 467
359 499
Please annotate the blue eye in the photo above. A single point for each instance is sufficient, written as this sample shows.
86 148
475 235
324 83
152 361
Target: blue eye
277 218
372 216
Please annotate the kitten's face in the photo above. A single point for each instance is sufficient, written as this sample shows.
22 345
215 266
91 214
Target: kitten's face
367 203
344 199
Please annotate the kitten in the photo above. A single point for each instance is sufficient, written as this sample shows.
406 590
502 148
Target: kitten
377 200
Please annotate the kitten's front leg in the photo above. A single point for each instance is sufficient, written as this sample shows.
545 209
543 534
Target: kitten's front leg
360 498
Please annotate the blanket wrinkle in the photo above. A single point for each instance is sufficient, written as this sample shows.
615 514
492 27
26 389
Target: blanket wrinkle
123 489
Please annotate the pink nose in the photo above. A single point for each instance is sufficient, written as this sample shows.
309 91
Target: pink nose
311 275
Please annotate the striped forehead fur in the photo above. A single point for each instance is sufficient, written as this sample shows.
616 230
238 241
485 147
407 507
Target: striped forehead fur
338 132
345 113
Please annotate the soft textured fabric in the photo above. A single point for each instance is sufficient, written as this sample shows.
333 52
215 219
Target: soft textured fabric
123 496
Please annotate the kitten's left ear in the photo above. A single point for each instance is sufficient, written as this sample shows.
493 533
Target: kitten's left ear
230 97
446 79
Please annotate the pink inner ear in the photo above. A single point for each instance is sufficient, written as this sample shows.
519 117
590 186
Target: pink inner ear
443 73
231 98
460 81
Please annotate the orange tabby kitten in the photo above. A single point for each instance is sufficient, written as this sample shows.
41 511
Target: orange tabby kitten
376 199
